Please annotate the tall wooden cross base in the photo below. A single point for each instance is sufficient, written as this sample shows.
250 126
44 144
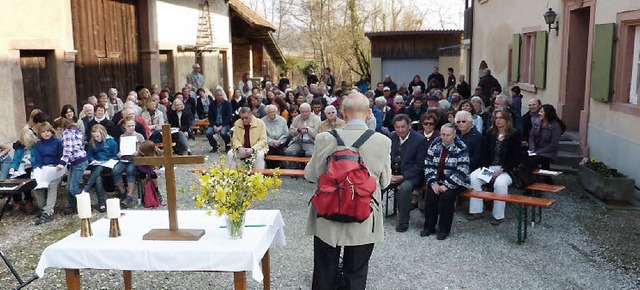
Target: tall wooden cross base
168 161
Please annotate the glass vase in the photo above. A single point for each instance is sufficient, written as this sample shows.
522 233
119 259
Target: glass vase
235 228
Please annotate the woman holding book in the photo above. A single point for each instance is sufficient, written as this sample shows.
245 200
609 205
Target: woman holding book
101 148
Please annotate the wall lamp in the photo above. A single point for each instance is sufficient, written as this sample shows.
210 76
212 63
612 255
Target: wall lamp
550 19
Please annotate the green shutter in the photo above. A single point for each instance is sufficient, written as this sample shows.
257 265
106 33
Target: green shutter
540 68
602 63
515 58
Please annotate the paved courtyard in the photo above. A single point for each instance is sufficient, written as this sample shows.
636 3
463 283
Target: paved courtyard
578 245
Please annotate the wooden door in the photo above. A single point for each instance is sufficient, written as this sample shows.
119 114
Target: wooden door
166 70
38 92
106 36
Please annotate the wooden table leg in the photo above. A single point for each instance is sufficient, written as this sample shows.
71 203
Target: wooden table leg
73 279
266 271
127 279
240 280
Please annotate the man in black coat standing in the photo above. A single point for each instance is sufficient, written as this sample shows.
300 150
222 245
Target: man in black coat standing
488 82
436 75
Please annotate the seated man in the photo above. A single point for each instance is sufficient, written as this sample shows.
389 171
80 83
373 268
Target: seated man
249 138
220 118
470 137
447 175
277 131
303 132
332 121
408 149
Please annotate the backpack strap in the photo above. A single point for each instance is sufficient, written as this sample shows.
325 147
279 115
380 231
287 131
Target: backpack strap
363 138
338 139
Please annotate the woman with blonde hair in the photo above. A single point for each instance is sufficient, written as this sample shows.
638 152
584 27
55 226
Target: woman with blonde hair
101 148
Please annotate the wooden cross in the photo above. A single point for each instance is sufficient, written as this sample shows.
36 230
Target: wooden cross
168 161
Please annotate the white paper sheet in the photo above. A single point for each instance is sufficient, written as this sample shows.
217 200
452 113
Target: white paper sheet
549 172
128 145
21 171
45 174
109 163
485 174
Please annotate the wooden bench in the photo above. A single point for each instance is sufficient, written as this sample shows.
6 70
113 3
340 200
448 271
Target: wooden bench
545 187
287 158
522 204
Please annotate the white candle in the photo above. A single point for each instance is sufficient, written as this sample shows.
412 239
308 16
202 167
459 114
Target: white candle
113 208
84 205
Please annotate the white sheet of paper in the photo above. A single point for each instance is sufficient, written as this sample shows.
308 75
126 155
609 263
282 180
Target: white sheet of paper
128 145
485 174
21 171
45 174
549 172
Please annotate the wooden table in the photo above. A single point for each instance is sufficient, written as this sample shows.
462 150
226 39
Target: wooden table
214 252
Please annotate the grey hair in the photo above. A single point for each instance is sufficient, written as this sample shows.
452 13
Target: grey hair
478 100
87 106
271 107
224 95
503 98
175 102
330 108
129 104
398 98
418 89
381 101
100 95
463 115
133 93
305 106
112 90
450 126
244 110
92 97
445 105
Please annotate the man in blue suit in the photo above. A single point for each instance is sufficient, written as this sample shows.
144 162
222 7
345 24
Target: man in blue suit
408 149
220 119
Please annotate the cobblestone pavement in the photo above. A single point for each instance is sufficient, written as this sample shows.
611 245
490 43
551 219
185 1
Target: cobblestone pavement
578 245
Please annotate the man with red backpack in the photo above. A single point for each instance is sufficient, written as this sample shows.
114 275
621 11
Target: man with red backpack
357 237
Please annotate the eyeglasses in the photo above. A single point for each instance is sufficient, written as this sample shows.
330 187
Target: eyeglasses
329 113
428 124
462 121
399 103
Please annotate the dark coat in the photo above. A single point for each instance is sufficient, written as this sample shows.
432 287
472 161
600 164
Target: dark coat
438 77
420 84
473 140
202 114
225 110
487 83
464 90
510 155
413 152
185 120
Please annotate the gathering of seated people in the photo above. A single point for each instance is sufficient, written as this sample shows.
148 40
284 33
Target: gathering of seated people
436 130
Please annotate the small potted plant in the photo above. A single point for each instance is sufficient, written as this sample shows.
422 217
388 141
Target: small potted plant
605 182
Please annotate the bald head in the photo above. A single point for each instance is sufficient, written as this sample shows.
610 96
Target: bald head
355 106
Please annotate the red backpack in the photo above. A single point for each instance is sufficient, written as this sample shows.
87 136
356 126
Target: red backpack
345 189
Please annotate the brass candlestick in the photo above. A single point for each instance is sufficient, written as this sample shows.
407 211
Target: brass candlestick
85 228
114 228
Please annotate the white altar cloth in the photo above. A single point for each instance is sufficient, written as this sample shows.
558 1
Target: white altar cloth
213 252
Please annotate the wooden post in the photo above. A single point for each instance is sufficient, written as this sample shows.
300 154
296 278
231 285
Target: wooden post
168 161
73 279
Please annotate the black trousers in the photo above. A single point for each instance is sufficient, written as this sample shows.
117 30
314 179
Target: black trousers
440 208
325 266
542 163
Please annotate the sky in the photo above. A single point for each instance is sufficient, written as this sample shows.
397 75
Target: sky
451 11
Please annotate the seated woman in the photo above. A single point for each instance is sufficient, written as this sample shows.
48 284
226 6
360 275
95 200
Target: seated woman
332 121
22 160
148 148
128 196
501 153
428 122
446 174
181 119
544 138
101 148
257 108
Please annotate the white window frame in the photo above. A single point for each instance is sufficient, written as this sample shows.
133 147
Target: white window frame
634 92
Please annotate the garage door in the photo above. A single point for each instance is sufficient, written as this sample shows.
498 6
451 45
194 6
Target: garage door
403 69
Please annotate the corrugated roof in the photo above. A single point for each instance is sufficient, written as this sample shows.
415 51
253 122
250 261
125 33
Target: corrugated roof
249 15
412 32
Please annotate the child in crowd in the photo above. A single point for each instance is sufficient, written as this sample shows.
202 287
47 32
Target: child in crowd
128 197
47 152
148 148
5 160
74 157
22 157
101 148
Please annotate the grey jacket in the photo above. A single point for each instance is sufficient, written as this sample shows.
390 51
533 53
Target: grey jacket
376 155
276 129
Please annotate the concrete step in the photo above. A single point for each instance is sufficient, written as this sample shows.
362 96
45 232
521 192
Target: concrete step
567 158
569 146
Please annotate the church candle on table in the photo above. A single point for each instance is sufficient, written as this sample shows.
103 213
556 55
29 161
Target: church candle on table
113 208
84 205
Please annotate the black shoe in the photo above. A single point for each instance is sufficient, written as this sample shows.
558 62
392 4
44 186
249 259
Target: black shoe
44 218
442 236
69 211
402 228
427 232
102 208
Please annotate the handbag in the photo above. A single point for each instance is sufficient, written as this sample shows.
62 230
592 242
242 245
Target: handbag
150 196
522 173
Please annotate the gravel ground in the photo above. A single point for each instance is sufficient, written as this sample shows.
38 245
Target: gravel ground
578 245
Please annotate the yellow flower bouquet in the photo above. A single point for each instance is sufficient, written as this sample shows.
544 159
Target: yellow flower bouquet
230 192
